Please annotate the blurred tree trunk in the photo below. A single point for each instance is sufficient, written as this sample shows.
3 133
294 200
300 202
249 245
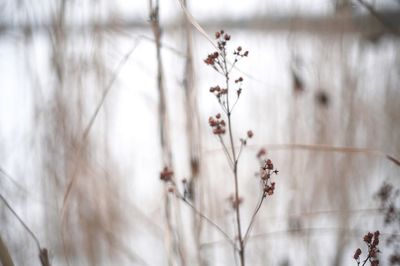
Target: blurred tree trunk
5 257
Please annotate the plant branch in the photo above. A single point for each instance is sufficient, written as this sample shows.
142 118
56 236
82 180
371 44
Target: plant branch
235 166
226 151
365 261
253 218
379 17
217 227
21 221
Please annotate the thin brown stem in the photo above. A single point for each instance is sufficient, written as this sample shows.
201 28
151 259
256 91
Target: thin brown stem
365 261
43 254
253 218
240 152
21 221
235 165
217 227
226 151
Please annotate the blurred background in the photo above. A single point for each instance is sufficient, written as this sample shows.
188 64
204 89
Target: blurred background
97 96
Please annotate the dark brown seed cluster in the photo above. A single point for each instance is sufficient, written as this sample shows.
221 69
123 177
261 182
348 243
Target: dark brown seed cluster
389 198
166 174
218 91
240 53
372 241
266 172
220 62
211 59
217 124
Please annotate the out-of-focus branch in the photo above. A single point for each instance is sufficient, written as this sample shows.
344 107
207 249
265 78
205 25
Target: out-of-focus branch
326 148
380 17
316 25
5 257
43 254
172 236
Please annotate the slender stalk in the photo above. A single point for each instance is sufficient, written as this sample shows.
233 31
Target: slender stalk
217 227
235 165
171 240
21 221
43 254
365 261
253 218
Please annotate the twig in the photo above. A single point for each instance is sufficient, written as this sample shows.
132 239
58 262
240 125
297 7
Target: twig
253 218
365 261
9 177
21 221
226 151
108 88
217 227
43 253
94 115
294 231
380 18
326 148
235 166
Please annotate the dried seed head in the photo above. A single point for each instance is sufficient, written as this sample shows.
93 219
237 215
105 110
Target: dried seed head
166 174
261 153
357 254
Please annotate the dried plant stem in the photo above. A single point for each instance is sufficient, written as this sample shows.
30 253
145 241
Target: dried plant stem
192 126
253 218
217 227
393 29
43 254
235 174
365 261
235 165
21 221
226 151
172 238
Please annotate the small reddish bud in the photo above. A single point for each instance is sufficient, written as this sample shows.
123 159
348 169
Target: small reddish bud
217 35
250 134
166 174
261 153
357 254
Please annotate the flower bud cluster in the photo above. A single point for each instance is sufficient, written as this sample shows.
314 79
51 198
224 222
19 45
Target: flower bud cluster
266 172
372 241
218 91
217 124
